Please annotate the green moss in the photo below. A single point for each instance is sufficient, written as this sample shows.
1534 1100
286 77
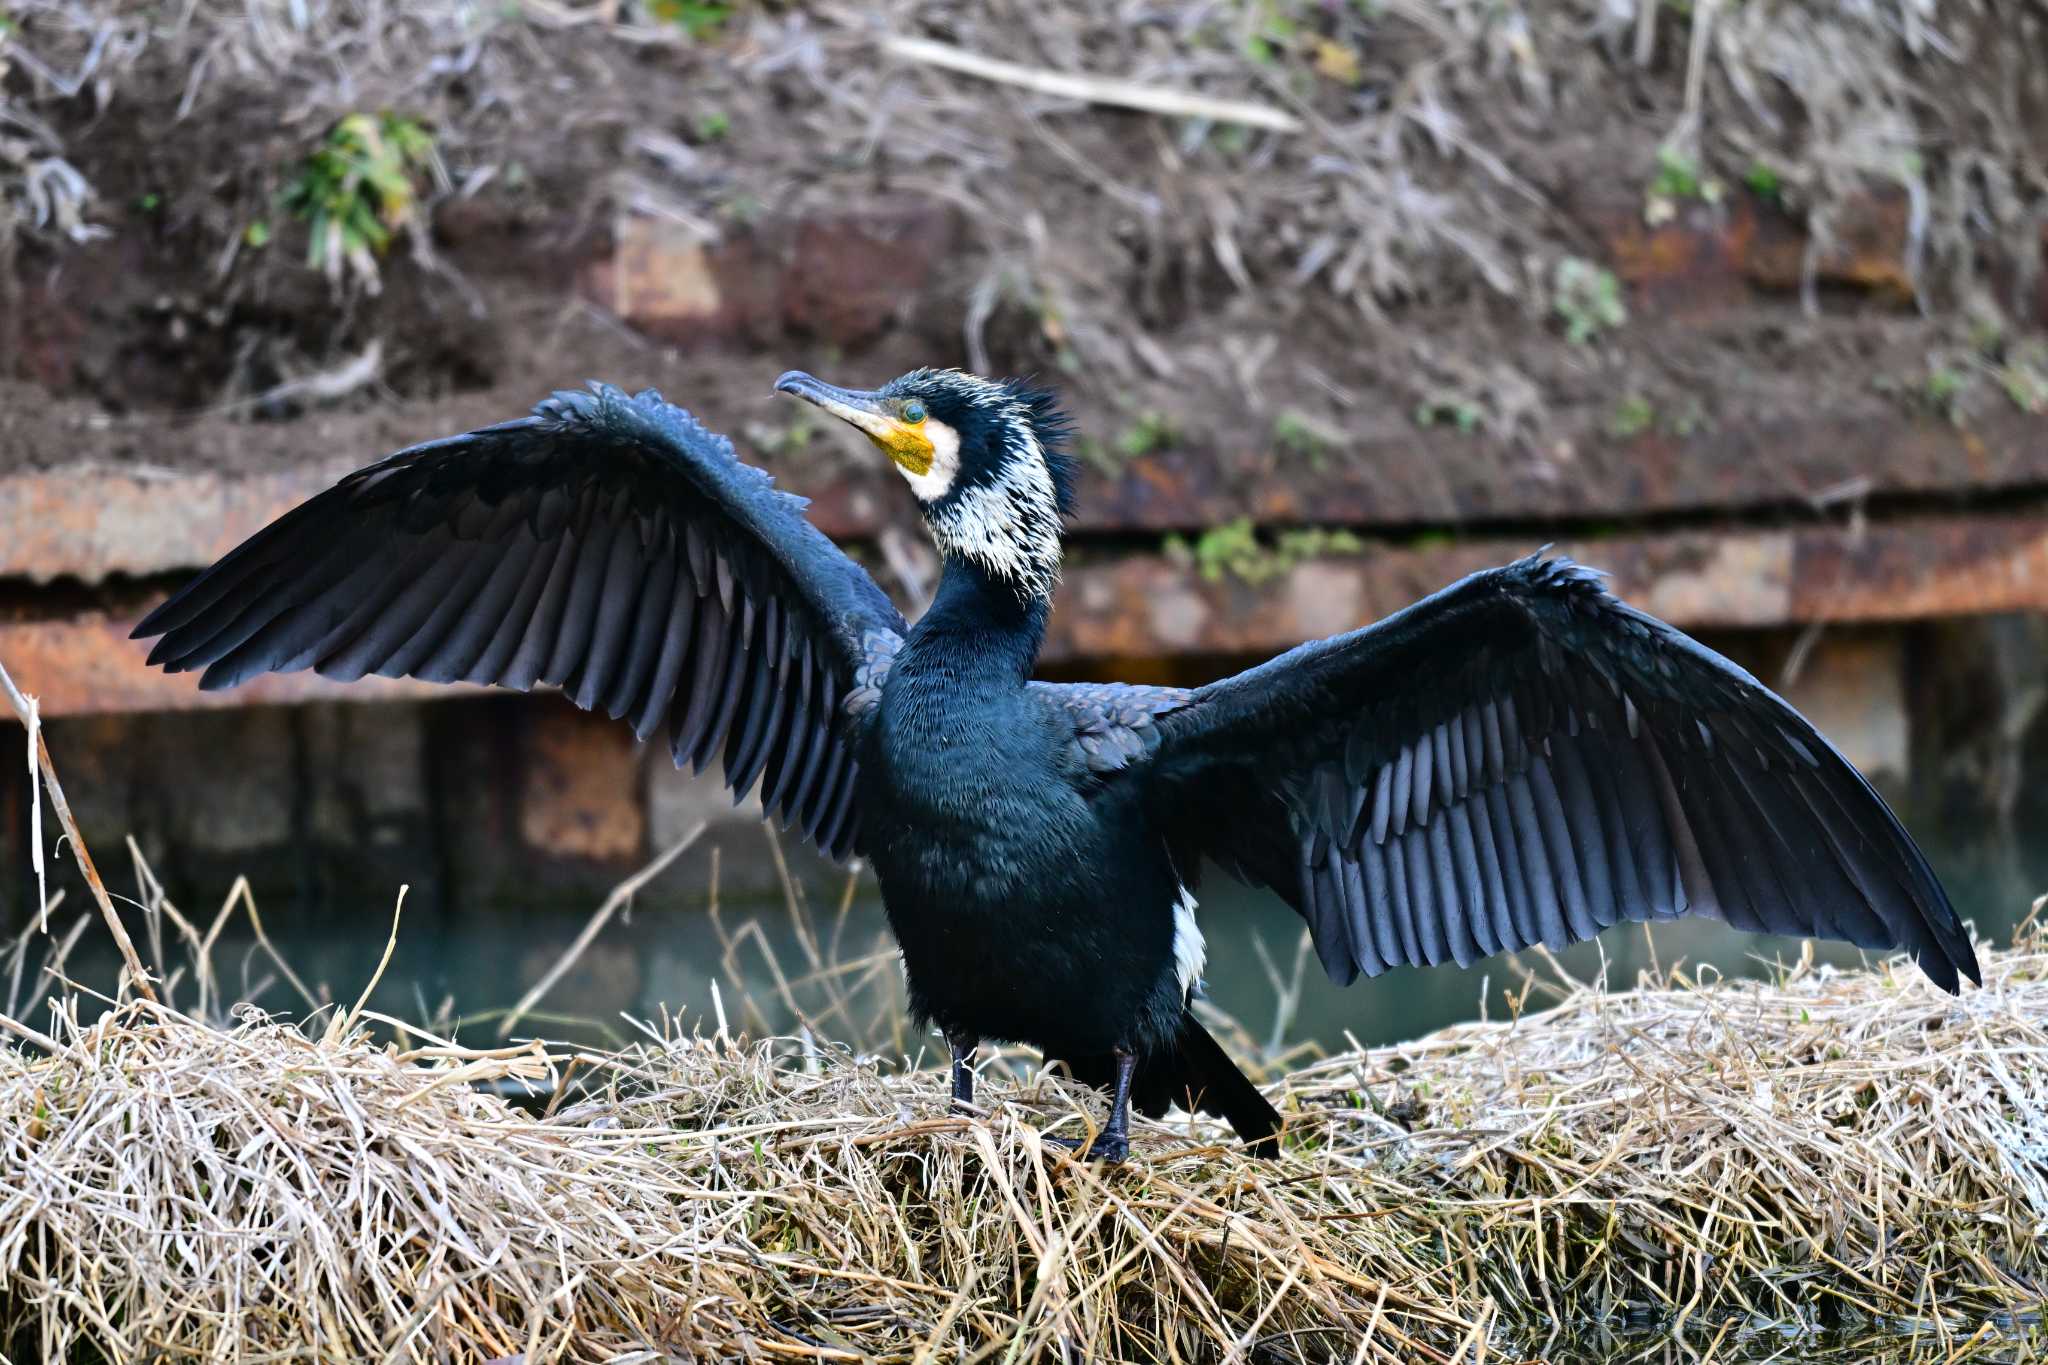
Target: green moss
1587 297
1295 435
2023 375
1450 411
1235 549
1677 177
1632 417
1153 432
701 19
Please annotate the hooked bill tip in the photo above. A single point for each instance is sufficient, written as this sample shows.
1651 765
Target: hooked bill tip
793 381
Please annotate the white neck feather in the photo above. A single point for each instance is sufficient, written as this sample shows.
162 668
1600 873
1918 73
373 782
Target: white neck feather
1011 526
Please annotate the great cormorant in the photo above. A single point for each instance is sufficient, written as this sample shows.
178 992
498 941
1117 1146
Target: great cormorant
1518 759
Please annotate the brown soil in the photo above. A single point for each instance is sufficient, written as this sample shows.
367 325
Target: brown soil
1219 293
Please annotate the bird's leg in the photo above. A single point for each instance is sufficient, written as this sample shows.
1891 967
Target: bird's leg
1113 1143
963 1068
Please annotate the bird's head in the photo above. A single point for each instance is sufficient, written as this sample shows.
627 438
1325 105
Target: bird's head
986 458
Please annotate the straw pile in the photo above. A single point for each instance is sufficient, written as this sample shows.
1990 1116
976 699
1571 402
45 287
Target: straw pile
1830 1148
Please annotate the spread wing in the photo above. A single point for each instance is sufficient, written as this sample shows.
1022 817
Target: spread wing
607 544
1523 759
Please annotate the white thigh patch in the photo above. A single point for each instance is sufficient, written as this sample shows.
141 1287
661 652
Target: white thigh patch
1189 952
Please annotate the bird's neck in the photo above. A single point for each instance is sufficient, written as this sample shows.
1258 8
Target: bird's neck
981 625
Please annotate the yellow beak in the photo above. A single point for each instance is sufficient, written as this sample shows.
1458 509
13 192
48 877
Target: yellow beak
896 438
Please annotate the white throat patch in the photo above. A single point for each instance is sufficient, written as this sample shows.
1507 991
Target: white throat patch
937 481
1011 526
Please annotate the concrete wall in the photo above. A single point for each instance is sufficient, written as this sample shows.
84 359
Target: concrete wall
506 802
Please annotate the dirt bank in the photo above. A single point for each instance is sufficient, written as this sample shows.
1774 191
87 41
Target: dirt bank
1550 233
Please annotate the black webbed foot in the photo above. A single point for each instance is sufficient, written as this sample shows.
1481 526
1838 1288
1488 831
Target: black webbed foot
1113 1148
1113 1143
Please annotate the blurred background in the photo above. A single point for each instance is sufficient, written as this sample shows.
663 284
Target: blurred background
1742 302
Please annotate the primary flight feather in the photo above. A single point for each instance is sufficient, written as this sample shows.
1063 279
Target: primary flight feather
1518 759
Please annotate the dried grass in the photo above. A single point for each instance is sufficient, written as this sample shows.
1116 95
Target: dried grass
1831 1147
1828 1148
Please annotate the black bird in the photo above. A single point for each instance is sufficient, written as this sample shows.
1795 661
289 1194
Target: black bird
1518 759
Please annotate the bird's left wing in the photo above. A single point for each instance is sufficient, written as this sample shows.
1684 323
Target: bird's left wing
1523 759
609 544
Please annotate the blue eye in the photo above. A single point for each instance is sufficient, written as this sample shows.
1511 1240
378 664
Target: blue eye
913 411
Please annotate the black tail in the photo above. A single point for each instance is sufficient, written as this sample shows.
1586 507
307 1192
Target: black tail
1197 1074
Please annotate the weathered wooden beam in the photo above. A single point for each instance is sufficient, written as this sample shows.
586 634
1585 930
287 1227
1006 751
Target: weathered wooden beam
1146 605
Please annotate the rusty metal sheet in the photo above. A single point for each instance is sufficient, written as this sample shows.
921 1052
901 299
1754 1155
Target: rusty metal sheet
1148 606
85 664
1950 567
93 523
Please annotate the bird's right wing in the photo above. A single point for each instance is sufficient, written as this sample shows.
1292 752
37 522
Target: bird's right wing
608 544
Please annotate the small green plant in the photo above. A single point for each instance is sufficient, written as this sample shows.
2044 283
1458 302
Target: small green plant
1678 175
1151 433
701 19
1095 453
1448 410
1689 421
1236 549
1944 391
742 208
1313 542
358 189
1764 181
257 235
1295 435
783 439
1274 31
1588 299
2024 376
713 126
1678 179
1632 417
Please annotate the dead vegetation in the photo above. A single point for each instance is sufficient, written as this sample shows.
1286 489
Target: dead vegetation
1834 1148
1448 156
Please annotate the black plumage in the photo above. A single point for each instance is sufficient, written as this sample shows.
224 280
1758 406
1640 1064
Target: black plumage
1518 759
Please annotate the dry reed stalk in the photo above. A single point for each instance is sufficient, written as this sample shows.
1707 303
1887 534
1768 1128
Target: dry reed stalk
39 765
1833 1146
